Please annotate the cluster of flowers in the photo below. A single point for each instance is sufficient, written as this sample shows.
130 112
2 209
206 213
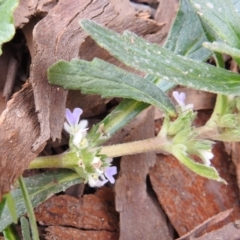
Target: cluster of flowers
204 148
101 170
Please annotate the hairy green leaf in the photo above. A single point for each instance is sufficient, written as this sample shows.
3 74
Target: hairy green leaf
224 48
185 38
25 228
119 117
222 17
40 187
187 35
200 169
99 77
7 29
158 61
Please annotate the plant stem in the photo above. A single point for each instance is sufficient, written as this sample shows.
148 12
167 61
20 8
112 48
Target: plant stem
156 144
70 160
64 160
29 207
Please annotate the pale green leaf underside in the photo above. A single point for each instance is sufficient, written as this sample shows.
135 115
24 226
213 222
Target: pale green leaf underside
7 29
200 169
236 4
25 227
223 48
222 17
158 61
40 187
12 207
99 77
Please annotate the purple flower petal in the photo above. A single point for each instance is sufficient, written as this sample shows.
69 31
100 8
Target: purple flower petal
109 172
179 97
73 117
76 115
69 116
100 183
182 96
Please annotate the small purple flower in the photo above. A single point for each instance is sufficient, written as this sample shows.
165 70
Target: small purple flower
73 117
180 98
75 128
109 172
101 175
94 181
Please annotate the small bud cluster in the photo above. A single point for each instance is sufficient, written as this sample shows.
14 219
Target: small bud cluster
96 169
184 134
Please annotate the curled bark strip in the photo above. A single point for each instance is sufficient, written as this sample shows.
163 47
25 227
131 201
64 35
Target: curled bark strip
19 129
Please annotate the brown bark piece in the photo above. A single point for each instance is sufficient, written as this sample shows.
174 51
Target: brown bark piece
166 13
200 100
10 78
19 128
188 199
234 151
203 228
60 233
91 105
4 62
91 212
26 9
229 232
140 216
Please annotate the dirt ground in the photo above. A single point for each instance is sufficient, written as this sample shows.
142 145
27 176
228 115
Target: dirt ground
154 196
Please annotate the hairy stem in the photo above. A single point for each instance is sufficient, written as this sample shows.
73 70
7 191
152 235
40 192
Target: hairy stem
70 159
156 144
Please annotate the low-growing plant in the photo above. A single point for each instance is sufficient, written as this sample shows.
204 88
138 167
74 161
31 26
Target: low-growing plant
202 29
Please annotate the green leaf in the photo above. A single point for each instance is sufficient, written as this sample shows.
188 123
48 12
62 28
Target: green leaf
155 60
40 187
177 41
200 169
25 228
10 233
119 117
236 4
12 207
187 35
2 204
222 17
99 77
7 29
224 48
29 208
185 38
